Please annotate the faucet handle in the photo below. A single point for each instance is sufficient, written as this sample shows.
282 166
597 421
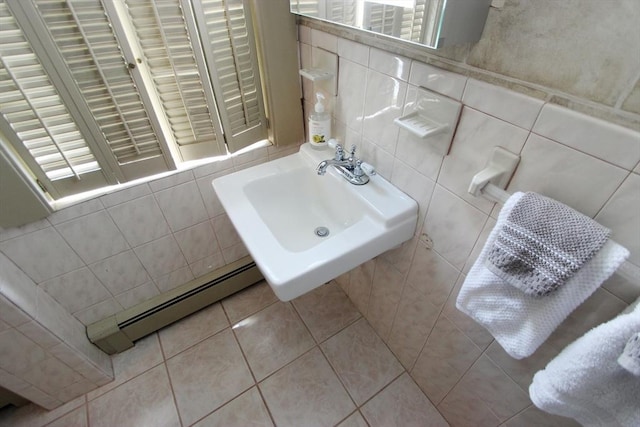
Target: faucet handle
363 168
339 153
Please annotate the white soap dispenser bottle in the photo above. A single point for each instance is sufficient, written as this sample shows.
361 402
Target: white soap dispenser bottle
319 124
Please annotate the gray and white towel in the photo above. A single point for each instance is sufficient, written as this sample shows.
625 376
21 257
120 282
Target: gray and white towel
543 243
630 357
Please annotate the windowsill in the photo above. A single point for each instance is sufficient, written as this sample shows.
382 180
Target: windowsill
68 201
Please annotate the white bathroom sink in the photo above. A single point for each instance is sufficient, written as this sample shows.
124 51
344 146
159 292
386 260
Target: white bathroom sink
276 207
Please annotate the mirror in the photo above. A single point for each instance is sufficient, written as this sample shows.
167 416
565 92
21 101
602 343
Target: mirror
431 23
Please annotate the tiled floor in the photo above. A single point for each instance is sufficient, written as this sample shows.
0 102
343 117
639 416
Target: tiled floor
252 360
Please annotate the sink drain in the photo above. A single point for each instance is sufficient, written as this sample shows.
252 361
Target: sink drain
321 231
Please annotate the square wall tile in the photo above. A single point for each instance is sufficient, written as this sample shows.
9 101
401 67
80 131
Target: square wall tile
197 242
432 275
226 233
182 205
390 64
576 179
42 254
171 181
75 211
125 195
415 185
510 106
352 83
18 353
620 214
172 280
77 290
453 225
384 100
356 52
385 296
137 295
209 197
51 376
97 312
607 141
437 80
412 325
93 237
476 136
121 272
324 40
207 264
360 283
161 256
19 290
140 220
306 392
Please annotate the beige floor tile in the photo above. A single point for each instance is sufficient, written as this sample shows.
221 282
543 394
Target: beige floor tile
272 338
402 404
363 362
75 418
248 301
31 415
354 420
326 310
208 375
445 358
306 393
484 389
143 356
533 416
246 410
193 329
144 401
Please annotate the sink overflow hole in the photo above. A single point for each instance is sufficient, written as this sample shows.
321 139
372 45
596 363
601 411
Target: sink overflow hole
321 231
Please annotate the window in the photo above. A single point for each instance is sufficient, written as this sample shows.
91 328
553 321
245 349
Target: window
98 92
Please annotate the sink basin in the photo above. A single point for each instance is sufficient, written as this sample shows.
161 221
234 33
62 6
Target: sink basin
303 229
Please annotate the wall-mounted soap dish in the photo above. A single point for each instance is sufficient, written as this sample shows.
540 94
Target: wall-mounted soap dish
315 74
323 71
431 117
420 125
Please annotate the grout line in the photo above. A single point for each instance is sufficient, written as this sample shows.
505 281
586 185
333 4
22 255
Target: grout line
173 393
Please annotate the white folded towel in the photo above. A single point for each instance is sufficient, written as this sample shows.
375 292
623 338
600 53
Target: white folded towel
630 357
585 381
519 322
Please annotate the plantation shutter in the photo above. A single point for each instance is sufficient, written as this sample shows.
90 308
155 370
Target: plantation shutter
84 37
35 120
166 35
97 92
344 12
229 49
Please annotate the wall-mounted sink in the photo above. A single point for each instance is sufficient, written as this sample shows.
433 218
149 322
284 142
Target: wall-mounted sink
303 229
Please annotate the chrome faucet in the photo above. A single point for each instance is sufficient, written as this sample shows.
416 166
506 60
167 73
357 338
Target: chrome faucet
349 168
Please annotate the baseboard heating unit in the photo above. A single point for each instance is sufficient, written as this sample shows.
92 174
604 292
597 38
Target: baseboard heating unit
118 332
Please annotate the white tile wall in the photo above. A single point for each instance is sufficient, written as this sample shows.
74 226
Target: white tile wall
109 253
587 163
33 329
